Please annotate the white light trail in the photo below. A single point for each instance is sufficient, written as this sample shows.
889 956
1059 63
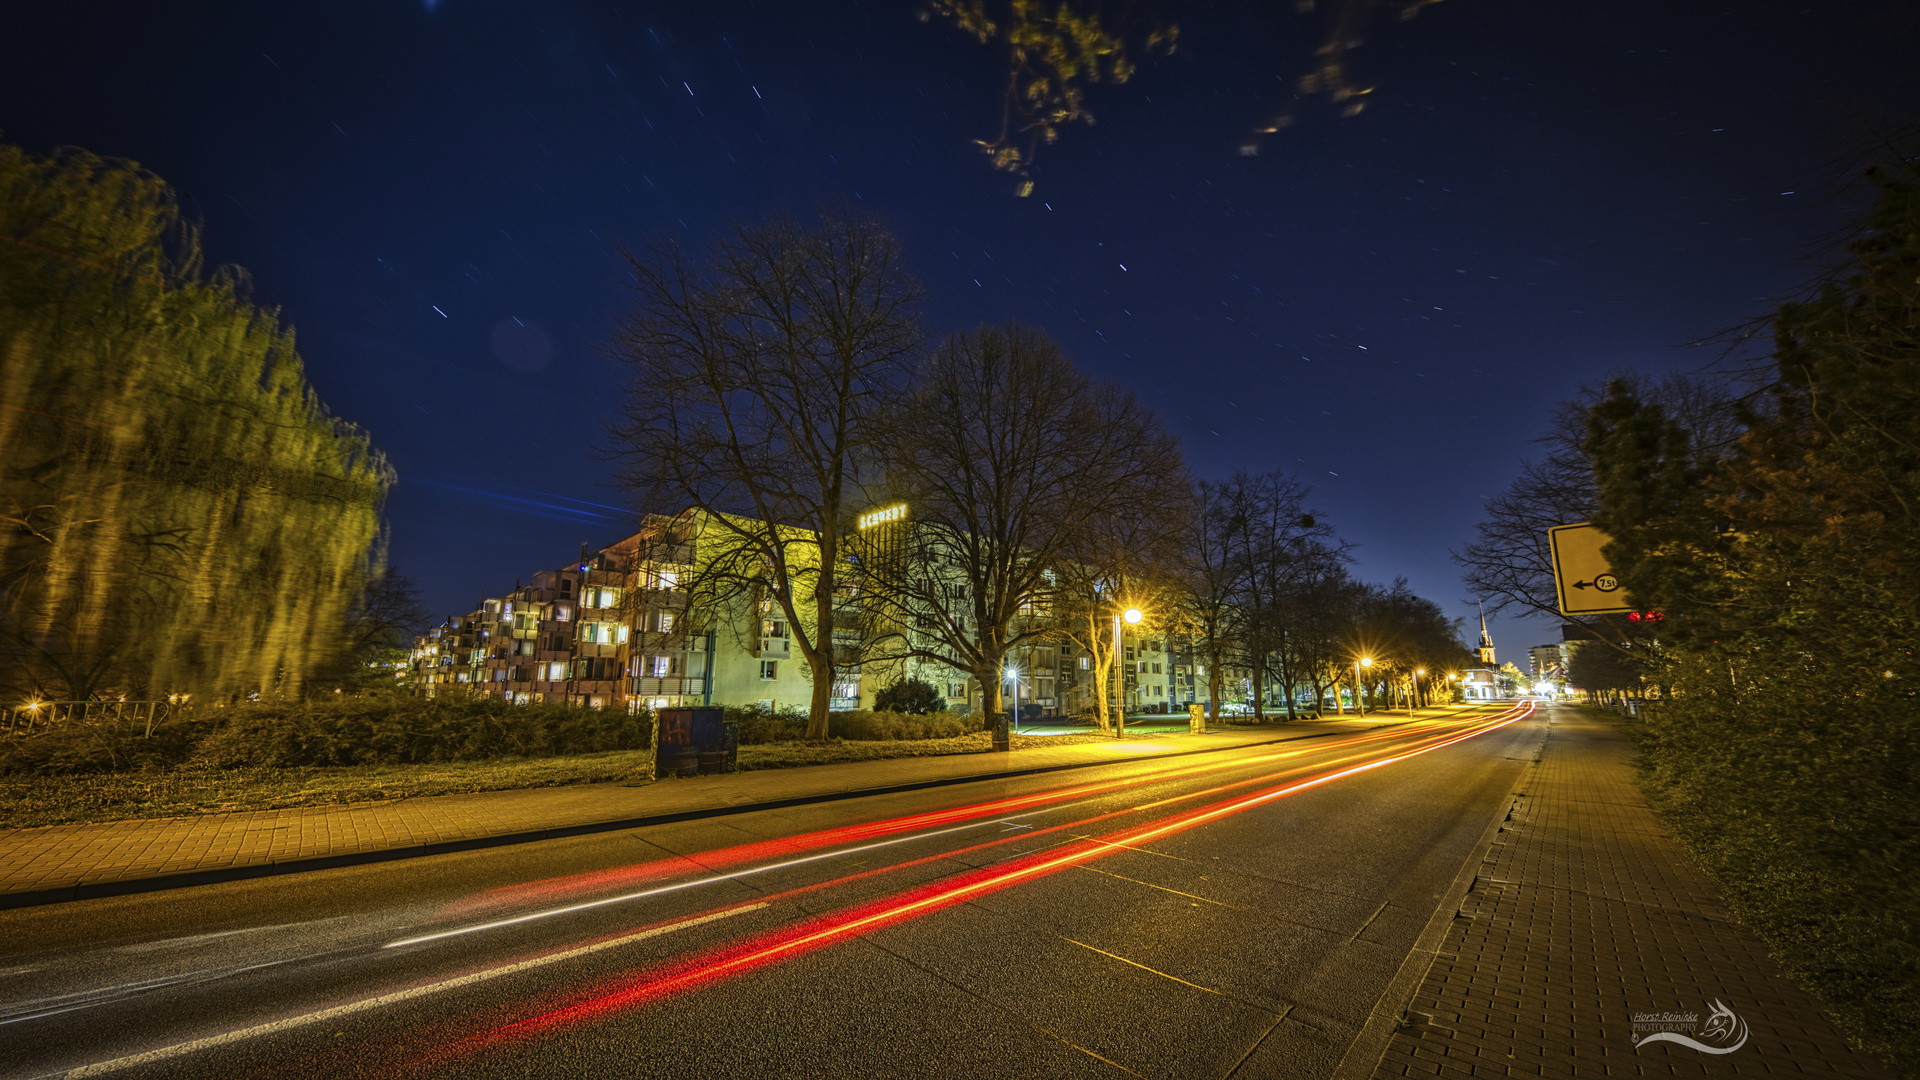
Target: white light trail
364 1004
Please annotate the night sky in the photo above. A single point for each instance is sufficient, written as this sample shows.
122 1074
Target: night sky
1538 194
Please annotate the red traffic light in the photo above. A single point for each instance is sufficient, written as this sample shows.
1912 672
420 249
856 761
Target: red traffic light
1646 616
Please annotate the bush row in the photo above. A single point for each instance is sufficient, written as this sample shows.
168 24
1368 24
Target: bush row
758 726
397 730
371 730
1802 797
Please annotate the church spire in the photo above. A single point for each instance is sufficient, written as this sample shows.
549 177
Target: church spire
1486 640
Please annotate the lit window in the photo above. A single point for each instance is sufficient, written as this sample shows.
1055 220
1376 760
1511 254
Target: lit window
666 622
1086 663
769 670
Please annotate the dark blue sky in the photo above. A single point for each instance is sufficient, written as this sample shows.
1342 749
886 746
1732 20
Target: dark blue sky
1389 305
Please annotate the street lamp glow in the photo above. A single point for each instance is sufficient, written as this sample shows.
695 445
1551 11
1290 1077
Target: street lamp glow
1133 616
1366 661
1419 671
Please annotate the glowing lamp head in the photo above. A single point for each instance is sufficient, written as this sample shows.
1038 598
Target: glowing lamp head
1366 661
1132 615
1419 671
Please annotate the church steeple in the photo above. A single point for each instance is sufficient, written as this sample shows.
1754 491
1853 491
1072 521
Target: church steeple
1486 640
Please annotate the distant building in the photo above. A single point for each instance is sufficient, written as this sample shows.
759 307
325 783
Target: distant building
1484 683
1549 666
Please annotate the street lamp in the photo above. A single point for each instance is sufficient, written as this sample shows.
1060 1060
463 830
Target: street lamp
1132 616
1012 674
1359 699
1417 672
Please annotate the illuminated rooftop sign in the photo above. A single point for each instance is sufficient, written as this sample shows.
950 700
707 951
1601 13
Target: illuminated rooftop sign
880 517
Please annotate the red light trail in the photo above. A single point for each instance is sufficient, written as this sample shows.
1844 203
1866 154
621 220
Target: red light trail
789 942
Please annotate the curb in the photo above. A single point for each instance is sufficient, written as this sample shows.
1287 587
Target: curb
1369 1046
327 862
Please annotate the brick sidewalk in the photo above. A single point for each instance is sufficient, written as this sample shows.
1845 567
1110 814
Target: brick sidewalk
1585 913
93 859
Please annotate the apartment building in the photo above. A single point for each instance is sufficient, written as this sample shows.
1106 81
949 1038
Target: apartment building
616 628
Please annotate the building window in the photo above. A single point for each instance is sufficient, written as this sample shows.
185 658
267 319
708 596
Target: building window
769 670
957 690
663 666
666 622
1086 663
1156 669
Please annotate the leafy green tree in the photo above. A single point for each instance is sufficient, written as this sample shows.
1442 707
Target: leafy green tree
1788 744
180 512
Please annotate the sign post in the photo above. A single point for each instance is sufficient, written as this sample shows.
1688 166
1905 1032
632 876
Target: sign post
1584 582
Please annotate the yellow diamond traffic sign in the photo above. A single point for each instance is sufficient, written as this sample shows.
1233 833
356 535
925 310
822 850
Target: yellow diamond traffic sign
1585 583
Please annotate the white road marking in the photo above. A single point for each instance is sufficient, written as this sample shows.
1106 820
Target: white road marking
364 1004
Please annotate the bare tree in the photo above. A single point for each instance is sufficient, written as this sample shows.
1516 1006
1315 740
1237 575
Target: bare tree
1279 548
758 374
1124 561
1013 466
1213 578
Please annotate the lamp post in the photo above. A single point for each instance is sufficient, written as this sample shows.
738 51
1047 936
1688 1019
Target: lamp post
1359 700
1012 675
1417 672
1132 616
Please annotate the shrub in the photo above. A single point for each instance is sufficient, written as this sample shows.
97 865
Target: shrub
915 696
876 725
380 729
99 746
384 729
760 725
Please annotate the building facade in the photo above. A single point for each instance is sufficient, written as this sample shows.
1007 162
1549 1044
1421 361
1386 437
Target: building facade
617 628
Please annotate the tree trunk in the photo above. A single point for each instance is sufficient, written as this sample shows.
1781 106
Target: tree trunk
1259 684
1216 685
1100 670
989 679
822 695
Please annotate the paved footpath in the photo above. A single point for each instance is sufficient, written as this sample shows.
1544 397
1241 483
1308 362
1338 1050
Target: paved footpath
1583 914
64 862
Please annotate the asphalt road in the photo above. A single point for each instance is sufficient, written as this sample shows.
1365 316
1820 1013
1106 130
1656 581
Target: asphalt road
1233 914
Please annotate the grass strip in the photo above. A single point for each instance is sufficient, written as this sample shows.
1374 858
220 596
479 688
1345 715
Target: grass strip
33 802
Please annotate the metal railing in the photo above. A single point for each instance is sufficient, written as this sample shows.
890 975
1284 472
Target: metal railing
24 720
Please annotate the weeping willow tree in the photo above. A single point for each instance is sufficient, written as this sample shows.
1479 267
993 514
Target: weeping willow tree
178 510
